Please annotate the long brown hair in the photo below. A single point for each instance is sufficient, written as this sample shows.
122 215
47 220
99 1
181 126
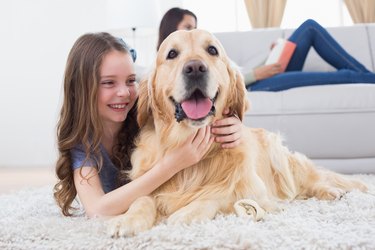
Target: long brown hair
170 21
79 119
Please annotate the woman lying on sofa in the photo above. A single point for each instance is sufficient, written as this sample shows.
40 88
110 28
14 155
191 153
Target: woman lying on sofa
270 77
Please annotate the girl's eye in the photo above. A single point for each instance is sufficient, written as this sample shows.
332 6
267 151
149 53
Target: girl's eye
212 51
107 83
131 82
172 54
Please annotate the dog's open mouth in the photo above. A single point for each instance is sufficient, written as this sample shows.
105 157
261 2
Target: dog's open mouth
196 107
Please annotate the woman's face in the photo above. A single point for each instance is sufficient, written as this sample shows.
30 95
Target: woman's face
187 23
118 89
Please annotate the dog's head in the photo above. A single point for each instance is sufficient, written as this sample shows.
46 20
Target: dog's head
192 82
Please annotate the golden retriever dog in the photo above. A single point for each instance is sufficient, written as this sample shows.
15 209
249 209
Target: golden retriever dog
192 82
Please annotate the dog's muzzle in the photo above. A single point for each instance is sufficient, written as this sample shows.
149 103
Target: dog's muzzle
196 104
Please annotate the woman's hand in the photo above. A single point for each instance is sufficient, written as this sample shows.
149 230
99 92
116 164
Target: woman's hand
192 151
267 71
228 131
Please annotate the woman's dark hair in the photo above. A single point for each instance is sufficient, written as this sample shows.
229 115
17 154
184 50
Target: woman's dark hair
170 21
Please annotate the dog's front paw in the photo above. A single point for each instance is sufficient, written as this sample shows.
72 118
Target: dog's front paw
126 225
330 193
183 216
194 212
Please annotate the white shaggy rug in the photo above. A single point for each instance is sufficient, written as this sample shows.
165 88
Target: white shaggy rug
29 219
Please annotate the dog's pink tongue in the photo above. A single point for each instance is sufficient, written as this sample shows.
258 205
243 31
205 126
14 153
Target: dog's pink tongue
197 108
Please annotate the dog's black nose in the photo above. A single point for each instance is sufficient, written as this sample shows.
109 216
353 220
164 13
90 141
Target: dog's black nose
195 68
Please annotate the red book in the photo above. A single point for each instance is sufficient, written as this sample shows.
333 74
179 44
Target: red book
281 53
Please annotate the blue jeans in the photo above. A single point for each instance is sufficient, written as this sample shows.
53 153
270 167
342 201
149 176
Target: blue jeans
311 34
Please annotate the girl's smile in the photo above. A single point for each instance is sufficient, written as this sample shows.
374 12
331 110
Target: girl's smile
118 107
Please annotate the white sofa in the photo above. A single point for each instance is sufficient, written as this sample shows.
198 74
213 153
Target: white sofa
334 125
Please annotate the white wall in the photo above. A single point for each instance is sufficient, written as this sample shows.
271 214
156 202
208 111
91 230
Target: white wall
35 39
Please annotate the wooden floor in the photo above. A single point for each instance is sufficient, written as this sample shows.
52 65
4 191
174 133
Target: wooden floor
13 179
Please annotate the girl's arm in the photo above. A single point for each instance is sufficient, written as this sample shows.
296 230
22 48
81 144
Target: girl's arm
96 203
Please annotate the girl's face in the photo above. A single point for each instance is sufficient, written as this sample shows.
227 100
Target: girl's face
187 23
118 89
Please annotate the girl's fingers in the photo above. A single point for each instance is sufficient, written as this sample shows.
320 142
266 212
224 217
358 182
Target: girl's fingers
228 138
202 136
231 144
228 121
221 131
234 125
206 138
198 137
207 135
224 122
208 145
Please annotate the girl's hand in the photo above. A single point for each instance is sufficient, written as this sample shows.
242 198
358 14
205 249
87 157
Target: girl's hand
192 151
228 131
267 71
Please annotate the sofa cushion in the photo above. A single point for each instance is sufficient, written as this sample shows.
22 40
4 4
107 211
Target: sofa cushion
329 121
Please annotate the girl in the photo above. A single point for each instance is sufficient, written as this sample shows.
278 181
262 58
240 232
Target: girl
97 128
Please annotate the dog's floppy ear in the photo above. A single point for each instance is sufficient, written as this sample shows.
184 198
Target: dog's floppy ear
237 100
144 100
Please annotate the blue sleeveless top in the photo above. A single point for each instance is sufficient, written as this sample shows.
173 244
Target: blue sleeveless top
108 174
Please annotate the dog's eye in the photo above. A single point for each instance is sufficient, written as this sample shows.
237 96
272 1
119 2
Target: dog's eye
172 54
212 51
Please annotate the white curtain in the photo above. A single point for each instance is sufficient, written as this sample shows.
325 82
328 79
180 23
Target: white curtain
265 13
361 11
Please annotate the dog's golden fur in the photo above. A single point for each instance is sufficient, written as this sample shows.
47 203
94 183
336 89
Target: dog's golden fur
260 168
